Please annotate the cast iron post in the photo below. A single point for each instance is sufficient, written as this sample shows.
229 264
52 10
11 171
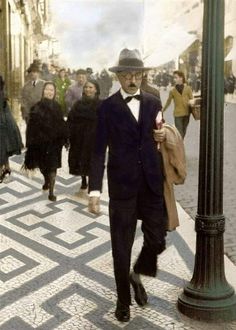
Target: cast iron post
208 296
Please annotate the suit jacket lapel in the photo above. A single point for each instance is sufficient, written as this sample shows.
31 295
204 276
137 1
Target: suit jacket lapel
147 114
142 107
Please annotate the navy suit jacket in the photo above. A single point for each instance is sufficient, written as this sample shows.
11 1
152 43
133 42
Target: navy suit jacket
132 149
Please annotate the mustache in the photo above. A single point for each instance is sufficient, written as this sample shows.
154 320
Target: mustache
132 85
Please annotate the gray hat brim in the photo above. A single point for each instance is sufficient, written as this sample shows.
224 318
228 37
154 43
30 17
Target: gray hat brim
128 68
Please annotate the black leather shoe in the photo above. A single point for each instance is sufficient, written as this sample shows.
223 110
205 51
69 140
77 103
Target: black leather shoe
84 186
52 198
140 294
45 186
122 312
4 173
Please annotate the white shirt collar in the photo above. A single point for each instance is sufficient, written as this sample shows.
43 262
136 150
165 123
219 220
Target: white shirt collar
124 94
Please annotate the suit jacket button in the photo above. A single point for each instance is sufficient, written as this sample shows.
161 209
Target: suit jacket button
139 162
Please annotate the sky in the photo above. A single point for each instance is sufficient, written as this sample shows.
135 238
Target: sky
91 33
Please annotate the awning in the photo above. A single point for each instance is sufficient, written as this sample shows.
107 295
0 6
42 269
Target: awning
232 54
173 43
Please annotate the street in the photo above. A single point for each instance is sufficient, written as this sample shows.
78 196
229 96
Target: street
187 194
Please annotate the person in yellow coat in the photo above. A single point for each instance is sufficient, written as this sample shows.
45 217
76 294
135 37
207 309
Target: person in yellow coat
180 94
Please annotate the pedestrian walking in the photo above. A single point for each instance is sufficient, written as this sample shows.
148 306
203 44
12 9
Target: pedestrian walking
82 121
75 91
147 87
89 72
164 78
31 91
46 134
10 138
135 179
62 83
231 82
105 83
180 94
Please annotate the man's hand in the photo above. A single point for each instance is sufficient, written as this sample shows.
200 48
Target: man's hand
94 205
159 134
67 145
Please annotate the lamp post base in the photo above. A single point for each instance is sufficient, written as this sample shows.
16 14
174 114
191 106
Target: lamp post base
206 308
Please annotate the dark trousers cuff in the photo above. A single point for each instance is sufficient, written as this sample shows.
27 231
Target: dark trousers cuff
146 263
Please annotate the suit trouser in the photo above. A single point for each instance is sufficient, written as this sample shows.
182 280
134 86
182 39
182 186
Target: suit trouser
150 208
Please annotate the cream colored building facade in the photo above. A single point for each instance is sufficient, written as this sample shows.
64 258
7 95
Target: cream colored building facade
185 16
192 20
24 29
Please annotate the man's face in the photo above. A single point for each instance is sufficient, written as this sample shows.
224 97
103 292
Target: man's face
130 80
34 75
81 78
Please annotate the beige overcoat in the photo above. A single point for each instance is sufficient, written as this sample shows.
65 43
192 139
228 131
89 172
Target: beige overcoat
174 162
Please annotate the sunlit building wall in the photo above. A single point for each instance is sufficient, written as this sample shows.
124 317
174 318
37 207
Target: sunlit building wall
23 27
163 19
230 37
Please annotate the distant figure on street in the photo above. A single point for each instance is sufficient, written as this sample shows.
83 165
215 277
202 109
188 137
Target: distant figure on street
105 83
231 82
192 80
46 134
180 94
164 79
82 120
147 87
62 83
52 72
10 138
75 91
89 72
126 121
31 92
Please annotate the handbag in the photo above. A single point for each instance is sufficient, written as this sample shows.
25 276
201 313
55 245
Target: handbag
195 109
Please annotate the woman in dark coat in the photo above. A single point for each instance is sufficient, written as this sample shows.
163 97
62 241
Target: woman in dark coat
82 124
10 138
46 134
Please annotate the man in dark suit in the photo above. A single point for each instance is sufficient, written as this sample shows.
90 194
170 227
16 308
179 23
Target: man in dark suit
135 178
146 86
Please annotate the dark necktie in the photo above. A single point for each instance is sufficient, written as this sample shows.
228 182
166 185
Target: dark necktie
34 83
129 98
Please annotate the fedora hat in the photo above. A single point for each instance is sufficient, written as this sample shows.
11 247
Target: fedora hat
129 60
33 68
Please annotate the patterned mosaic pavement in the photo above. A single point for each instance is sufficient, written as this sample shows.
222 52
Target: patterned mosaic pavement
56 266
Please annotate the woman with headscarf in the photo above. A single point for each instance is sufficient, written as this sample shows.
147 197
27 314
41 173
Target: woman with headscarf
10 138
82 124
46 134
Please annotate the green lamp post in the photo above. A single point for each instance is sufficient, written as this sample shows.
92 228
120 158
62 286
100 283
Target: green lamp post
208 296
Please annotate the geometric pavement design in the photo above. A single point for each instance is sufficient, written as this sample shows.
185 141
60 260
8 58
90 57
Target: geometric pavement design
56 265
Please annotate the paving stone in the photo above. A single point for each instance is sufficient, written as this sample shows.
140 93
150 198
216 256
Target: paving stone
57 268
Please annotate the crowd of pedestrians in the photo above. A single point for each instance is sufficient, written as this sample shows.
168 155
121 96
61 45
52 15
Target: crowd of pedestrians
63 108
75 96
